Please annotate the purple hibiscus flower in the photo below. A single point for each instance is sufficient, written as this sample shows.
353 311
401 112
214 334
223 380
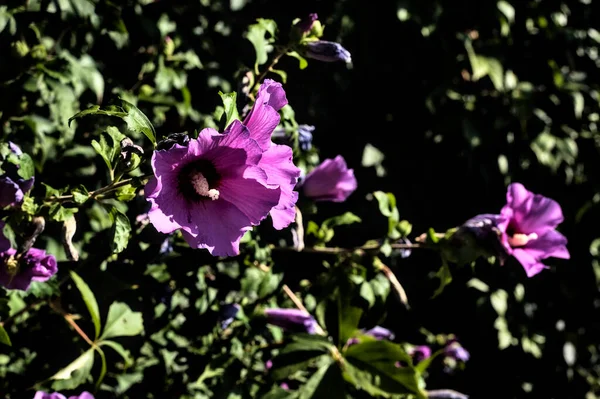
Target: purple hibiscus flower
330 181
529 228
294 320
56 395
33 265
326 51
218 186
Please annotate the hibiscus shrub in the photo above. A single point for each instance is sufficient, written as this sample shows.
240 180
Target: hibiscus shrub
169 228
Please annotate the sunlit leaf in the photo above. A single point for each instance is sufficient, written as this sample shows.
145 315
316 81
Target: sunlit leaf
89 299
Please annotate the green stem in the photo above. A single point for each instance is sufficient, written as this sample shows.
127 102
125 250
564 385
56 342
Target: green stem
269 67
338 250
103 190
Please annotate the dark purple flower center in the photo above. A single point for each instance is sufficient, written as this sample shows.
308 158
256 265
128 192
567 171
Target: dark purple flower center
516 239
199 180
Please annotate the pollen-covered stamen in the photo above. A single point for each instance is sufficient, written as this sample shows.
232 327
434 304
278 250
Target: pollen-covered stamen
520 240
12 266
200 184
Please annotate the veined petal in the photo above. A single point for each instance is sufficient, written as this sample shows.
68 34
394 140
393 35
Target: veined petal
250 194
551 244
532 213
277 162
531 265
217 226
264 117
235 150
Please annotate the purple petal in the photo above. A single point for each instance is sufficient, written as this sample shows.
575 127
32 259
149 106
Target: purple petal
380 333
15 148
169 210
326 51
330 181
551 244
531 264
264 117
44 395
420 352
83 395
277 162
291 319
217 226
250 194
531 213
235 150
10 192
34 265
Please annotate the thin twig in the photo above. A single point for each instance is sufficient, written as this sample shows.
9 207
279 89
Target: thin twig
69 318
339 250
268 69
106 189
378 264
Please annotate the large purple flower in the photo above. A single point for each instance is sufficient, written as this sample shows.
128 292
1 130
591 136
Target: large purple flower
213 189
330 181
529 228
294 320
56 395
276 159
33 265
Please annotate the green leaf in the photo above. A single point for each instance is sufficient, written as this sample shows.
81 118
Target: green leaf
122 321
485 66
137 121
121 230
80 194
125 354
302 351
445 277
257 35
76 373
371 366
346 218
59 213
230 105
366 292
302 60
387 207
105 151
349 317
26 167
95 110
425 363
372 156
309 389
90 301
327 382
4 338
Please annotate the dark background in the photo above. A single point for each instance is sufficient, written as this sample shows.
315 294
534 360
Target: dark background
412 96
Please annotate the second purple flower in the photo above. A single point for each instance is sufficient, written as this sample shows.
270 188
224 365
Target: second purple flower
330 181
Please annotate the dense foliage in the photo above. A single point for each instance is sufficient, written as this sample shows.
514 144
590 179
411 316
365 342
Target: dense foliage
244 199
